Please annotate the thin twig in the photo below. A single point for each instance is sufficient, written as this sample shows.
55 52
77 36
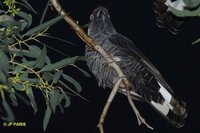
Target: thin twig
107 105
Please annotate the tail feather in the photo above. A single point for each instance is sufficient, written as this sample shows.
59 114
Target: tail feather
171 108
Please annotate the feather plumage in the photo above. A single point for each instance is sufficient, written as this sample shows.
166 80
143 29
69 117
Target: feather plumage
147 82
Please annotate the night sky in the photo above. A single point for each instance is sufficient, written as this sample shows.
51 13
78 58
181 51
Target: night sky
173 55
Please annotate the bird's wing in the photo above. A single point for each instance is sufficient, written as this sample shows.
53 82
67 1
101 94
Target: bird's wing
128 46
148 82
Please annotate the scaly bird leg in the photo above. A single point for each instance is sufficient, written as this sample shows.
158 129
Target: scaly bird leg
140 119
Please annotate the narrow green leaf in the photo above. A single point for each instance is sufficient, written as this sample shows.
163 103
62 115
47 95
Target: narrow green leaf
67 100
3 61
82 58
34 51
10 116
57 76
32 100
66 86
83 71
54 100
48 61
26 16
24 25
18 86
45 11
3 77
31 80
59 64
17 69
47 76
29 64
72 81
29 6
61 108
22 98
42 58
47 116
43 26
13 99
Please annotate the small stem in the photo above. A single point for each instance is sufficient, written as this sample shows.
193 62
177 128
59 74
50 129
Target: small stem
29 70
107 105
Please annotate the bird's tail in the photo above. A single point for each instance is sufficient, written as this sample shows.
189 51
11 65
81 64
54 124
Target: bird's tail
170 107
165 19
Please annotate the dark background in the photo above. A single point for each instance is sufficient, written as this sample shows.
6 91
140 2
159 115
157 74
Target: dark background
174 56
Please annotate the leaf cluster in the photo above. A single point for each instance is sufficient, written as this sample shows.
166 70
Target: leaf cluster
26 68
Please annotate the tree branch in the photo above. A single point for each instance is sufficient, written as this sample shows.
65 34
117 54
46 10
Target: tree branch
91 43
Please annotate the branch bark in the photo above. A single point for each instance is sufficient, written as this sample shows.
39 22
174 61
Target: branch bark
91 43
88 40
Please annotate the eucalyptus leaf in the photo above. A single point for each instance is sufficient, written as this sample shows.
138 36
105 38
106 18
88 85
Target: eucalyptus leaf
17 69
66 86
72 81
47 116
60 64
61 108
34 51
18 86
4 61
10 116
83 71
22 98
24 25
29 64
57 76
3 77
42 58
43 26
67 100
45 11
28 5
26 16
13 99
55 97
47 76
32 100
48 61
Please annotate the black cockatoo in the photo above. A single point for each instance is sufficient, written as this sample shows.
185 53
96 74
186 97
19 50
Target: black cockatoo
146 81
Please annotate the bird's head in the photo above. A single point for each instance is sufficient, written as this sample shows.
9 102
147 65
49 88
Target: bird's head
100 13
100 22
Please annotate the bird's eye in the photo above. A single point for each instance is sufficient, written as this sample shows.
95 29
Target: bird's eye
91 17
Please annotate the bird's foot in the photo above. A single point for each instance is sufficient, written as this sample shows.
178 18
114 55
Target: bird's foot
141 120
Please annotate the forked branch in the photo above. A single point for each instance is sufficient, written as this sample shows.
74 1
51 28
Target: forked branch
91 43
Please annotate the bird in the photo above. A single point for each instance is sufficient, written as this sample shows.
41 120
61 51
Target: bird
146 82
